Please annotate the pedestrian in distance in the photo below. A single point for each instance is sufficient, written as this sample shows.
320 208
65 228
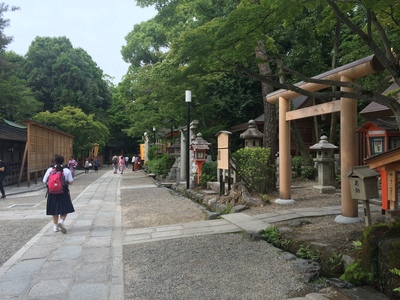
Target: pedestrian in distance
86 165
137 163
126 161
58 179
122 164
72 164
115 162
4 169
133 162
96 164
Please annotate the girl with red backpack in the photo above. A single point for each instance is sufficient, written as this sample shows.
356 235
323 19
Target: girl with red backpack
59 202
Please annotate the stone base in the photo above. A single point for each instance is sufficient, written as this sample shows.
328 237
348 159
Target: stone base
284 201
325 189
347 220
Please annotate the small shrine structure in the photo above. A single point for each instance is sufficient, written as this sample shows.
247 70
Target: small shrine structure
388 165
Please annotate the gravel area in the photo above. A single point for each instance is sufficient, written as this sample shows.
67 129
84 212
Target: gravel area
208 267
15 234
228 266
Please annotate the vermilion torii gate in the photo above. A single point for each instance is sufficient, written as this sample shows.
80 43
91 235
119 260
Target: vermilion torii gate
348 125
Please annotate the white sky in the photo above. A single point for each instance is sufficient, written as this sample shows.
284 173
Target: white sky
97 26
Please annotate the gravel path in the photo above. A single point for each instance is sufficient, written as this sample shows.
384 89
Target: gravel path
228 266
208 267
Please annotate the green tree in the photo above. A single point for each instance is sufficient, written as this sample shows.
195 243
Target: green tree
4 23
61 75
155 84
16 99
85 130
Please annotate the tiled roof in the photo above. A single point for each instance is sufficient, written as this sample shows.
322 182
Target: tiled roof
11 132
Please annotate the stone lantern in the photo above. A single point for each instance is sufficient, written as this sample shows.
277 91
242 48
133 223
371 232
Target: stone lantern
175 149
325 160
199 147
252 135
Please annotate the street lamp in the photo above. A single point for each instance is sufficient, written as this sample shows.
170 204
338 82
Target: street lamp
154 135
188 99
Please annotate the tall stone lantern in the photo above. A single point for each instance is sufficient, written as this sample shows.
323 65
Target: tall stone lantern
199 147
252 136
325 160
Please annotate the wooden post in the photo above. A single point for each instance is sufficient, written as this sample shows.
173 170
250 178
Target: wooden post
285 172
392 186
348 154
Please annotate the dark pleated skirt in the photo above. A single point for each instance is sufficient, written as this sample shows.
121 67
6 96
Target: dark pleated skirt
60 204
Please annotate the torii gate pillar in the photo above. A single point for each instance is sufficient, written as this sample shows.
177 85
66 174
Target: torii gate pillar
285 164
348 155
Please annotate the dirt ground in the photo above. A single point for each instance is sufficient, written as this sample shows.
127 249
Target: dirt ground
322 234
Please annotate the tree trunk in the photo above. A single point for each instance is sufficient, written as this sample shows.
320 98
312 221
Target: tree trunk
298 140
270 116
335 63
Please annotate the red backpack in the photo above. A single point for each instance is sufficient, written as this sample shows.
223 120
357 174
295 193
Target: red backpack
56 182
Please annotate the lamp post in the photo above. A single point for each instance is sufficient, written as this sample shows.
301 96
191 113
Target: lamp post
154 135
188 99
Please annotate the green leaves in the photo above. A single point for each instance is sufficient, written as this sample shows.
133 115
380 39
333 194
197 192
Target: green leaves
85 130
61 75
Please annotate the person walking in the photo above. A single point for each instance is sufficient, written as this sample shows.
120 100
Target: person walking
126 161
86 166
122 164
59 205
72 164
3 167
133 162
96 164
115 162
136 165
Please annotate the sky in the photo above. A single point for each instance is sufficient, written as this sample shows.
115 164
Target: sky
97 26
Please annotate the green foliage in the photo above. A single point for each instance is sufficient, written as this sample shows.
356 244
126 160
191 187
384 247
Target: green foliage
356 275
272 235
266 198
335 262
303 167
85 130
160 165
5 40
208 173
308 172
396 271
357 245
318 281
307 253
61 75
297 163
254 167
152 154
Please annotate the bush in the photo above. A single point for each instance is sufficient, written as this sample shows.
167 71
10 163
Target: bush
152 153
161 164
303 168
254 168
208 173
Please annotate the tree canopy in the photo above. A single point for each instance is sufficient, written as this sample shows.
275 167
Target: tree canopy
85 130
60 75
200 44
17 101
